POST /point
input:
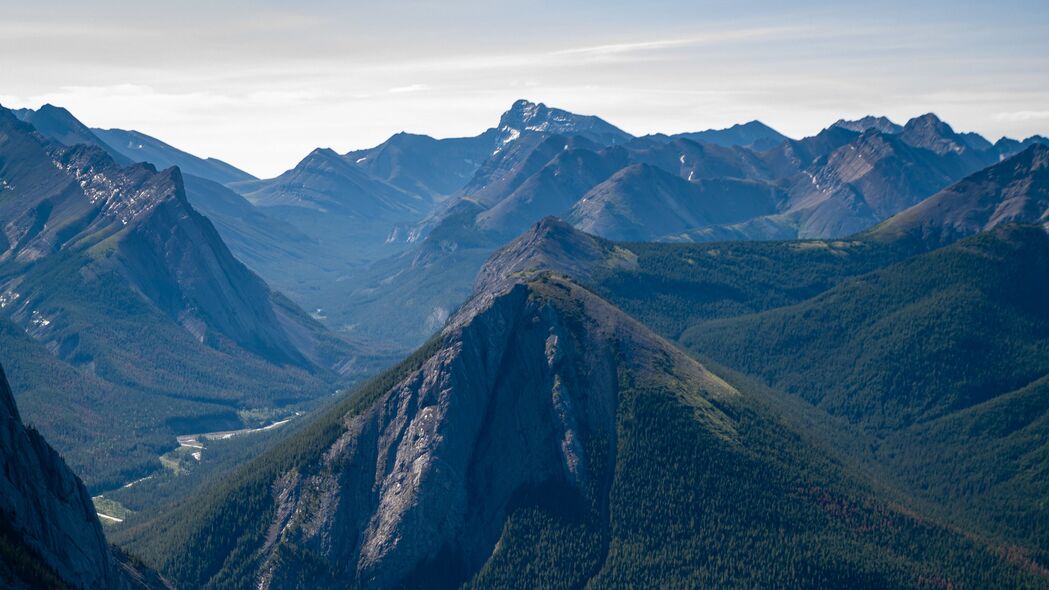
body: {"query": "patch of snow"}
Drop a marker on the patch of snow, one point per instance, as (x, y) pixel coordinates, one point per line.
(359, 160)
(511, 134)
(8, 298)
(39, 320)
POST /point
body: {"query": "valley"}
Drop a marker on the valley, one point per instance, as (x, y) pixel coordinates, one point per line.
(178, 462)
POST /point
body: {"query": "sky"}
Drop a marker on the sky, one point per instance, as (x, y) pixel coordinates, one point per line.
(260, 84)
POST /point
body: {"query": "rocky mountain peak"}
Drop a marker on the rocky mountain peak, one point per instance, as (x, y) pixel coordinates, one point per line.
(929, 132)
(319, 155)
(125, 193)
(55, 111)
(1007, 147)
(525, 116)
(523, 113)
(551, 245)
(514, 403)
(883, 124)
(752, 134)
(59, 125)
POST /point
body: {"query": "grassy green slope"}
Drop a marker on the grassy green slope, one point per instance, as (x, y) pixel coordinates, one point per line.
(677, 285)
(944, 357)
(914, 341)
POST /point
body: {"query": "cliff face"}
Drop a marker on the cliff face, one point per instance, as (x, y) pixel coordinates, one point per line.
(516, 406)
(517, 399)
(47, 511)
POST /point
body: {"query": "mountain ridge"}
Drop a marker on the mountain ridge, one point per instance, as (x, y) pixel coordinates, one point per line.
(1013, 190)
(139, 147)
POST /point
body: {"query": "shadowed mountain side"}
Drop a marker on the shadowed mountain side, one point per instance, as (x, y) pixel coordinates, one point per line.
(1015, 190)
(50, 536)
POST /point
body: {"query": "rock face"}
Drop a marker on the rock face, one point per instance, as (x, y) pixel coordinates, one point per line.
(50, 534)
(148, 230)
(138, 222)
(521, 395)
(882, 124)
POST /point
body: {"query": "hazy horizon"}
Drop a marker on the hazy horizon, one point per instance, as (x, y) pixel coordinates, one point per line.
(261, 88)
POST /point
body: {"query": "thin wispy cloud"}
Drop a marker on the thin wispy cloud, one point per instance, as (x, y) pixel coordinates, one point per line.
(409, 88)
(706, 39)
(1022, 116)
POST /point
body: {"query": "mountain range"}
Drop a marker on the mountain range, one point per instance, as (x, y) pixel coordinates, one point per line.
(716, 359)
(830, 185)
(405, 226)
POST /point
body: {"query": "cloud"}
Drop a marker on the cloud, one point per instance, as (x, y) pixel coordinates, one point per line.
(409, 88)
(712, 38)
(128, 99)
(1019, 116)
(572, 57)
